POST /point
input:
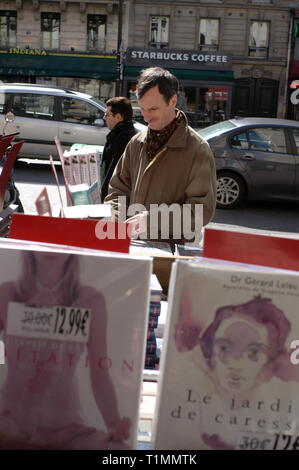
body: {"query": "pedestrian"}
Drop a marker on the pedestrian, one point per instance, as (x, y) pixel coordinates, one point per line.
(118, 117)
(166, 163)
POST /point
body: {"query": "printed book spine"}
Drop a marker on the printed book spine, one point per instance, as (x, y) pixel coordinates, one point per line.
(93, 167)
(150, 362)
(151, 348)
(67, 163)
(95, 194)
(155, 309)
(84, 169)
(76, 169)
(153, 322)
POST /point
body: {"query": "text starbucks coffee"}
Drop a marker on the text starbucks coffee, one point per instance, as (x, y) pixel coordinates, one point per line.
(178, 56)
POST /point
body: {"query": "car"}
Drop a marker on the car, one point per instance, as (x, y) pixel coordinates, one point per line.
(256, 159)
(44, 112)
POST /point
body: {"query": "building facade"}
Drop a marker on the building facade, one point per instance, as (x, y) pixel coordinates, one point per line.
(231, 56)
(65, 43)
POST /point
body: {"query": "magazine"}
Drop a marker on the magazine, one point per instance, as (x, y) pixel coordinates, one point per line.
(74, 331)
(230, 361)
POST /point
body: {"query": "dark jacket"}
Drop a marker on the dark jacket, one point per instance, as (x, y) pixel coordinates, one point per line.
(116, 142)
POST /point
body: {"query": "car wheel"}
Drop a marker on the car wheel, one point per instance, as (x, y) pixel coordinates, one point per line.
(230, 190)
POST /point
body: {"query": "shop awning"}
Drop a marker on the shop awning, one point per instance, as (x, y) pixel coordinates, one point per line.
(189, 74)
(30, 62)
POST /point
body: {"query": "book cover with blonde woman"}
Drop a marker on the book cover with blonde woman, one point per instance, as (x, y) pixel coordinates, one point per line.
(74, 329)
(230, 372)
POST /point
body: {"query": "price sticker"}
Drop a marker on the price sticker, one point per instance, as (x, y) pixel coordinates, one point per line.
(54, 322)
(255, 441)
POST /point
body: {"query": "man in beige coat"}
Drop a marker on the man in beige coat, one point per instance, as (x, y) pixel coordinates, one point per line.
(168, 163)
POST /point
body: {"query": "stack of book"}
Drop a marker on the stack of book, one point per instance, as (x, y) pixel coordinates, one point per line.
(81, 170)
(154, 312)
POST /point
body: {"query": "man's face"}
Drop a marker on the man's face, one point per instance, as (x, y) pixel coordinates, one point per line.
(155, 111)
(112, 119)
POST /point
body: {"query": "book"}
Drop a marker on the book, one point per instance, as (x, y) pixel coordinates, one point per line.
(162, 319)
(88, 211)
(83, 233)
(84, 169)
(82, 194)
(229, 373)
(74, 333)
(252, 246)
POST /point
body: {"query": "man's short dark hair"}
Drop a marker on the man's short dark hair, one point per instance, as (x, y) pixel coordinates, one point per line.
(167, 83)
(121, 105)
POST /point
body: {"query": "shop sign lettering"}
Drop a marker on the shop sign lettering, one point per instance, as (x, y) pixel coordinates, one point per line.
(295, 94)
(178, 56)
(17, 50)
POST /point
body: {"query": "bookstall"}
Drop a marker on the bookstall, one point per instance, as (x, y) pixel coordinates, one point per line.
(120, 344)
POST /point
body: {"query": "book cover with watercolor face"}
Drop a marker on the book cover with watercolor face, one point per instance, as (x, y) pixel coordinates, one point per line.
(74, 330)
(230, 363)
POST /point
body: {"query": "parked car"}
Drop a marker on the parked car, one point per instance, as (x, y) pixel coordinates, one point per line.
(256, 158)
(43, 112)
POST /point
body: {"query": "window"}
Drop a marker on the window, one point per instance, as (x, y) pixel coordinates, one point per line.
(8, 28)
(259, 39)
(33, 105)
(208, 34)
(50, 28)
(159, 32)
(239, 141)
(78, 111)
(96, 32)
(265, 139)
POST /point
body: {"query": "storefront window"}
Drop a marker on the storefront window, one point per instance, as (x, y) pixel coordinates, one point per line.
(50, 30)
(259, 39)
(212, 105)
(159, 32)
(96, 32)
(91, 86)
(8, 28)
(208, 34)
(203, 105)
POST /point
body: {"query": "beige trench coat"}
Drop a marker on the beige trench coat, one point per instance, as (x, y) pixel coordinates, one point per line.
(182, 172)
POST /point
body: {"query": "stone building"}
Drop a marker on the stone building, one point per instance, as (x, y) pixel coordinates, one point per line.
(235, 53)
(232, 57)
(65, 43)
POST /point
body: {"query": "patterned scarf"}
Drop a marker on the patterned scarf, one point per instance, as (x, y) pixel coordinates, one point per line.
(156, 139)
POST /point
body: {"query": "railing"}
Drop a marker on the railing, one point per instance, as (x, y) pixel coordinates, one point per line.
(258, 52)
(158, 45)
(208, 47)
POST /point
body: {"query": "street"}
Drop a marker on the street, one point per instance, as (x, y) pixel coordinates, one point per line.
(31, 177)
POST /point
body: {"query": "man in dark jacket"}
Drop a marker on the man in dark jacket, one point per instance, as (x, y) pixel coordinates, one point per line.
(118, 116)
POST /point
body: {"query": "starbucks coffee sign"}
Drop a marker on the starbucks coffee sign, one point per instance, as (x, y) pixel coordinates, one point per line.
(177, 58)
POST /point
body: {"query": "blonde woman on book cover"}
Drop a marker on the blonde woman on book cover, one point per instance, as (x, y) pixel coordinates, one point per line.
(40, 406)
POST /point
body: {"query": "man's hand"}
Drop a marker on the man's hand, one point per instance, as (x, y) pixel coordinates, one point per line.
(137, 224)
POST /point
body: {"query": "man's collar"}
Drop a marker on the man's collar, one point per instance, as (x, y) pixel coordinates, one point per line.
(177, 139)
